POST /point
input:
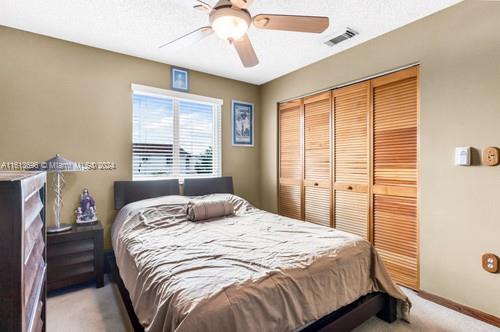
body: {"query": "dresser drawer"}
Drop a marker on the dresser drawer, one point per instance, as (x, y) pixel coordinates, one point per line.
(34, 304)
(34, 273)
(32, 236)
(33, 184)
(32, 208)
(35, 322)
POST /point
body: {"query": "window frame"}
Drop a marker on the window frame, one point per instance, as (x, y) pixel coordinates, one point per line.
(176, 97)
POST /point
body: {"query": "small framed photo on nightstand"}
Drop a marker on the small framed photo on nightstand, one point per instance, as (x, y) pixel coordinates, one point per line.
(180, 79)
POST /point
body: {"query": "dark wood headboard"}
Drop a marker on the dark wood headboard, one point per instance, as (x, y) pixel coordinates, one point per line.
(206, 186)
(133, 191)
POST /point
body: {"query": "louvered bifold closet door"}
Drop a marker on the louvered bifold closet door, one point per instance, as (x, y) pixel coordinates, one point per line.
(351, 107)
(395, 123)
(291, 161)
(317, 184)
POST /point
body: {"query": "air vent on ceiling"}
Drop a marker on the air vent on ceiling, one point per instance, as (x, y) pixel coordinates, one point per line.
(349, 33)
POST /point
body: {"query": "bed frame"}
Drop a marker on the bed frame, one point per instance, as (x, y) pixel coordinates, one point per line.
(344, 319)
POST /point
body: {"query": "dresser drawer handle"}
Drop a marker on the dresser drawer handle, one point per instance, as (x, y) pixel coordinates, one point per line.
(316, 184)
(350, 188)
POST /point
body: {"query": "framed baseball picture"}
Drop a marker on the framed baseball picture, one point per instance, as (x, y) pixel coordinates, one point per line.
(180, 79)
(242, 118)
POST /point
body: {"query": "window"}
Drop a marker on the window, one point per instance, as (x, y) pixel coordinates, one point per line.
(175, 134)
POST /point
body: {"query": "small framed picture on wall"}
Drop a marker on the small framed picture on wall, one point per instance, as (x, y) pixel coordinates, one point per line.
(179, 78)
(242, 119)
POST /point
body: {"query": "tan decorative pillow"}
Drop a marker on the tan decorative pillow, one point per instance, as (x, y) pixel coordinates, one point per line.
(208, 209)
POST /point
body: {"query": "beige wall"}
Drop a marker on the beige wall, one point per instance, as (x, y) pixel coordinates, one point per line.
(61, 97)
(82, 96)
(459, 55)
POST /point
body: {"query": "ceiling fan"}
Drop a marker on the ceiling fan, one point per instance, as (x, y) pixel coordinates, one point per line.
(230, 20)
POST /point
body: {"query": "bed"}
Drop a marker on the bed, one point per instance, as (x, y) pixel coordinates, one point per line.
(252, 271)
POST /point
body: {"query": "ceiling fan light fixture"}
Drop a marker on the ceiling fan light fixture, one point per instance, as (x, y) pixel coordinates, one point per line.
(230, 20)
(230, 24)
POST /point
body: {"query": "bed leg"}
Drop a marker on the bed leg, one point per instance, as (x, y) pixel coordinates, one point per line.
(389, 312)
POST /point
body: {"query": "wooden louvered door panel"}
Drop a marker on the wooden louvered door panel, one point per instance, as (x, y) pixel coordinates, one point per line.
(351, 137)
(317, 185)
(395, 124)
(290, 158)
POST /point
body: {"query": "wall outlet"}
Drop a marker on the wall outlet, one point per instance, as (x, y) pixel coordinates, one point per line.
(491, 156)
(490, 262)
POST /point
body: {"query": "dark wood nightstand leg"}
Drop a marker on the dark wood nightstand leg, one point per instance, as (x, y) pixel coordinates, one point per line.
(99, 260)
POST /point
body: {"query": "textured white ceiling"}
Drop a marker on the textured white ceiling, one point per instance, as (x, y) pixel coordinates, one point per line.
(138, 27)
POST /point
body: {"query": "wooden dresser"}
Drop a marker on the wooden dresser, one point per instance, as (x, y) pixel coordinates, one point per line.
(22, 251)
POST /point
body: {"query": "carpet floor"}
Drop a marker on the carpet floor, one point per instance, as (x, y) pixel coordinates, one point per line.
(87, 309)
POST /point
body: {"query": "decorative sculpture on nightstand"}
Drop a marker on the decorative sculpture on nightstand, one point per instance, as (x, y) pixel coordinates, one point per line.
(86, 212)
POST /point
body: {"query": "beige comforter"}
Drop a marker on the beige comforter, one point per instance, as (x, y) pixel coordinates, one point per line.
(254, 271)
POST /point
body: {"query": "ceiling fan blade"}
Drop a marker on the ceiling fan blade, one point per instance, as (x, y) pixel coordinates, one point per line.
(314, 24)
(246, 52)
(189, 38)
(202, 6)
(242, 3)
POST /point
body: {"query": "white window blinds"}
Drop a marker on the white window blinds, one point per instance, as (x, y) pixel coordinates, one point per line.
(175, 135)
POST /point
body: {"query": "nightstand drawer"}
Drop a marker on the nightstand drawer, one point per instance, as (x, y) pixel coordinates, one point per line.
(62, 267)
(57, 262)
(64, 272)
(69, 247)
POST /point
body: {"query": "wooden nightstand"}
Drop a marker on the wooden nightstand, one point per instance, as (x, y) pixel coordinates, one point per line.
(75, 256)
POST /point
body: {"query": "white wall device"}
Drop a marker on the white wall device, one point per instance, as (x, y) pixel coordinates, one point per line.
(462, 156)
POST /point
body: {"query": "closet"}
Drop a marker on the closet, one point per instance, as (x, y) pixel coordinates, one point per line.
(291, 161)
(351, 139)
(348, 159)
(395, 117)
(317, 153)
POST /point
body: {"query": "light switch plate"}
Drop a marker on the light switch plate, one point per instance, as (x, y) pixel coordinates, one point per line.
(491, 156)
